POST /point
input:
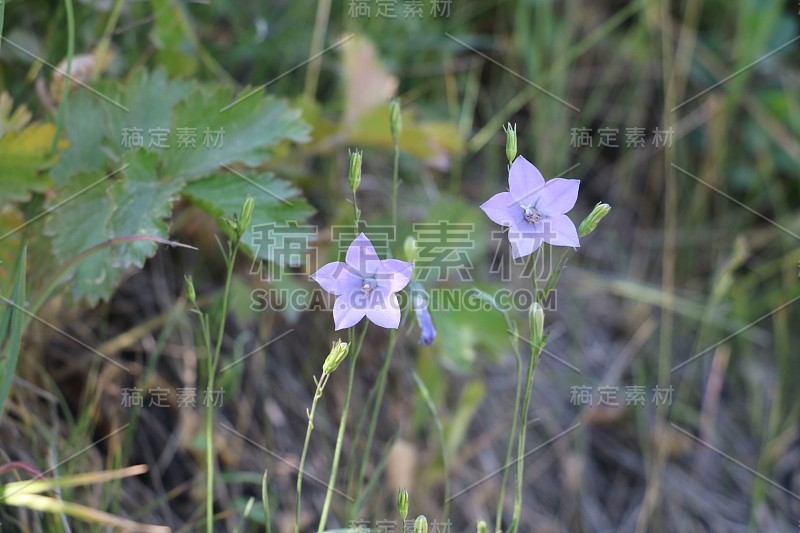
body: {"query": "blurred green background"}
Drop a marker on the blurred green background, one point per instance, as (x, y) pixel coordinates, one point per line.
(698, 262)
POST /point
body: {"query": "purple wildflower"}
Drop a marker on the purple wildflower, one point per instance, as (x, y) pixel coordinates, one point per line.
(364, 285)
(534, 209)
(427, 332)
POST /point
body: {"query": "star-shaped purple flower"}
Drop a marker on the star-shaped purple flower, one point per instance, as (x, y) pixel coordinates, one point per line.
(533, 210)
(365, 285)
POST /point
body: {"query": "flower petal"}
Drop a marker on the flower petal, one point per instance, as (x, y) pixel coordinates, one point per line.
(361, 255)
(498, 208)
(561, 231)
(398, 273)
(524, 241)
(558, 196)
(386, 312)
(336, 278)
(345, 315)
(524, 180)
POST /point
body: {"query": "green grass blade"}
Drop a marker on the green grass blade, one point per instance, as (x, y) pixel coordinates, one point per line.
(14, 320)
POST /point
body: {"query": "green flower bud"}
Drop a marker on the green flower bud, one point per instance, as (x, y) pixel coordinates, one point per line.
(395, 119)
(230, 225)
(421, 524)
(536, 317)
(410, 249)
(482, 527)
(190, 294)
(590, 222)
(354, 178)
(247, 213)
(511, 142)
(402, 503)
(338, 353)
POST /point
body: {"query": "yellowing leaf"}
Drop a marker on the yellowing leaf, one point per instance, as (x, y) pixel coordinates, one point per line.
(432, 142)
(367, 83)
(24, 156)
(12, 120)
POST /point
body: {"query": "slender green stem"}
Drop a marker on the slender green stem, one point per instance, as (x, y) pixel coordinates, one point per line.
(208, 429)
(356, 213)
(535, 274)
(230, 260)
(426, 397)
(265, 504)
(510, 446)
(318, 37)
(62, 106)
(352, 480)
(523, 429)
(395, 181)
(317, 395)
(102, 47)
(555, 275)
(2, 18)
(376, 408)
(536, 349)
(342, 425)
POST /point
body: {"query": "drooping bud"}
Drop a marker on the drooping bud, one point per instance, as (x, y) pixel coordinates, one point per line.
(190, 294)
(410, 249)
(395, 119)
(536, 318)
(482, 527)
(511, 142)
(402, 503)
(590, 223)
(421, 524)
(338, 353)
(427, 332)
(354, 177)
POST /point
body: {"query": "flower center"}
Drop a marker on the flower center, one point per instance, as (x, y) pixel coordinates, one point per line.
(367, 287)
(532, 215)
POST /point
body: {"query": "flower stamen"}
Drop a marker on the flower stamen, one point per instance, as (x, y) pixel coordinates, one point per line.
(532, 214)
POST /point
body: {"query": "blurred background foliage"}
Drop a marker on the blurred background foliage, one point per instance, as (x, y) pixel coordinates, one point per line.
(698, 259)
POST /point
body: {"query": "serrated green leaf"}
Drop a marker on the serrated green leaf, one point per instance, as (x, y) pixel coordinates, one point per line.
(81, 222)
(244, 133)
(85, 129)
(142, 202)
(150, 99)
(276, 202)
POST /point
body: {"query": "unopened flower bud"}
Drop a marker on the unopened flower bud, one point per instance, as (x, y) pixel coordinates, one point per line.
(590, 222)
(395, 119)
(427, 332)
(482, 527)
(410, 249)
(536, 317)
(402, 503)
(354, 178)
(511, 142)
(247, 213)
(421, 524)
(190, 294)
(230, 225)
(338, 354)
